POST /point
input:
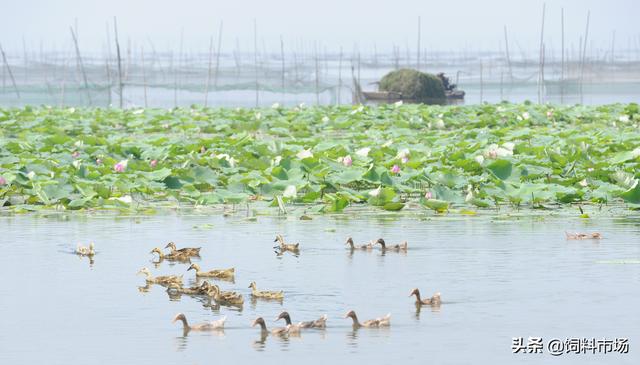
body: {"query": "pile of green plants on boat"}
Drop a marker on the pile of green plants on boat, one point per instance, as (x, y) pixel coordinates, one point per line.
(385, 156)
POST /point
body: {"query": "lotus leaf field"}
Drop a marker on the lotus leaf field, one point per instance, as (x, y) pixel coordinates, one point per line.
(328, 158)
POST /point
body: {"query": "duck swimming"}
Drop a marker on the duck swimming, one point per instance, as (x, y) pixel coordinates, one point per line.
(371, 323)
(434, 300)
(85, 250)
(280, 331)
(291, 247)
(160, 280)
(318, 323)
(189, 251)
(181, 257)
(202, 289)
(398, 247)
(352, 246)
(205, 326)
(583, 236)
(221, 274)
(266, 294)
(226, 297)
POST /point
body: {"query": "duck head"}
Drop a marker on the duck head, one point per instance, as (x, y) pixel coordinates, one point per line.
(156, 250)
(284, 315)
(179, 317)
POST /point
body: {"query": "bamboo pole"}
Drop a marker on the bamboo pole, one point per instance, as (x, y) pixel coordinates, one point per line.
(120, 85)
(206, 88)
(255, 58)
(282, 60)
(562, 57)
(215, 80)
(26, 60)
(64, 81)
(481, 84)
(13, 80)
(177, 82)
(506, 43)
(339, 75)
(108, 83)
(80, 65)
(4, 78)
(144, 77)
(584, 55)
(418, 55)
(317, 81)
(541, 63)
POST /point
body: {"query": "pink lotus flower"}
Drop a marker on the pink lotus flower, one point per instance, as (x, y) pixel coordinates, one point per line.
(75, 154)
(98, 161)
(3, 181)
(549, 113)
(395, 169)
(120, 166)
(405, 159)
(347, 161)
(153, 163)
(428, 195)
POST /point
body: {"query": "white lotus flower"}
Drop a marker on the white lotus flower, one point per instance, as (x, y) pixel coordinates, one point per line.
(479, 159)
(275, 106)
(363, 152)
(509, 145)
(31, 175)
(375, 192)
(493, 151)
(125, 199)
(276, 161)
(258, 115)
(439, 124)
(77, 163)
(624, 118)
(583, 183)
(290, 192)
(398, 103)
(526, 115)
(403, 153)
(325, 119)
(304, 154)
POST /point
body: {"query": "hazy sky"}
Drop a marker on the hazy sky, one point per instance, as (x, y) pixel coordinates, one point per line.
(446, 25)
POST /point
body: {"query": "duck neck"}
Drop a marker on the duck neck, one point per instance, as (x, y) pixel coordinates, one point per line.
(287, 319)
(263, 326)
(185, 324)
(356, 323)
(418, 299)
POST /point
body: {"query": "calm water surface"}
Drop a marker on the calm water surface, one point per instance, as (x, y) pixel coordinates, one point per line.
(499, 279)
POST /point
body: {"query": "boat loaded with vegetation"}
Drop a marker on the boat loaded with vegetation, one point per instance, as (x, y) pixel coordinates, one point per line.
(411, 86)
(328, 158)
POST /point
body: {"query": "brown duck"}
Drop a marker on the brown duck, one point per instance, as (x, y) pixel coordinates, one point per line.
(434, 300)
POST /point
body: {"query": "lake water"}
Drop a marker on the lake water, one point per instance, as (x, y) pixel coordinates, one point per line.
(500, 278)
